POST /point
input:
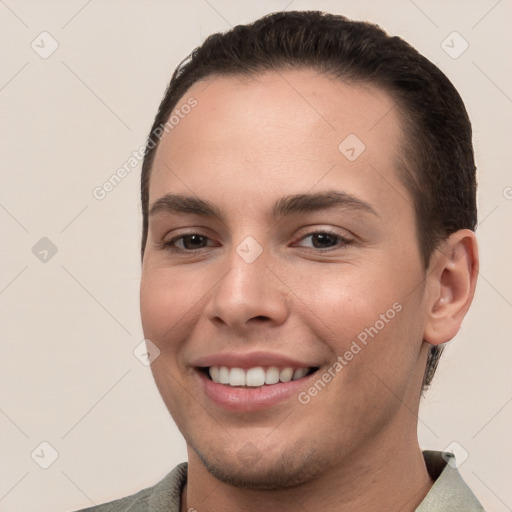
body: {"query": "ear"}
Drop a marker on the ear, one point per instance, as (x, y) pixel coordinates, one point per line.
(451, 282)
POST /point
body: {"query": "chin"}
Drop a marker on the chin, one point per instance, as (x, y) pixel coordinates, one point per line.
(250, 469)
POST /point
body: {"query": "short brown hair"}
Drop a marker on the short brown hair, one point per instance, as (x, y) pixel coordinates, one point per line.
(436, 163)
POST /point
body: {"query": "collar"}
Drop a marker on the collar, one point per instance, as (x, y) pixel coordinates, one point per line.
(449, 493)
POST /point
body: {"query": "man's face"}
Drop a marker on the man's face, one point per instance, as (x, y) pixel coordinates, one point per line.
(300, 290)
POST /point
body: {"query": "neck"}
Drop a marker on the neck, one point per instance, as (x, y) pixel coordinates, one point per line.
(387, 477)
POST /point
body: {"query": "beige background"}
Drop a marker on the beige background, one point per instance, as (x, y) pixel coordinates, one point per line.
(69, 325)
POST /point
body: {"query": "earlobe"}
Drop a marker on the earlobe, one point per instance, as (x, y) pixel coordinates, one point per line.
(451, 285)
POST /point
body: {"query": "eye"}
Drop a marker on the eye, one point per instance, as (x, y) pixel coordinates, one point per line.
(191, 242)
(327, 240)
(195, 242)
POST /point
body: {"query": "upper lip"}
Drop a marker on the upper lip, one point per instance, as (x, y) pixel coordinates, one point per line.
(250, 360)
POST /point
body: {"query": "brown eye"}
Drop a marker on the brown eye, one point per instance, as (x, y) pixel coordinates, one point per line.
(186, 243)
(326, 240)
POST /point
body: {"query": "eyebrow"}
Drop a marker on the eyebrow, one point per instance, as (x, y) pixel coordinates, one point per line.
(288, 205)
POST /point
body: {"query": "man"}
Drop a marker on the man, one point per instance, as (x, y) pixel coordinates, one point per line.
(308, 195)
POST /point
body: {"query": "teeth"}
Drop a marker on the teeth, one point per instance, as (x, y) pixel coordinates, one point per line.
(223, 375)
(286, 375)
(215, 373)
(299, 373)
(236, 377)
(272, 375)
(255, 377)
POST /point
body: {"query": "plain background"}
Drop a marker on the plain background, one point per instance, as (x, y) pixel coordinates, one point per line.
(70, 324)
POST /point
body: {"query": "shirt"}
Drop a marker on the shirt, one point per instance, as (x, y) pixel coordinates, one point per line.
(448, 494)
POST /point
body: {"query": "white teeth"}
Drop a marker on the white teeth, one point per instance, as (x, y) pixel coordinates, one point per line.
(286, 375)
(215, 373)
(223, 375)
(272, 375)
(299, 373)
(236, 377)
(255, 377)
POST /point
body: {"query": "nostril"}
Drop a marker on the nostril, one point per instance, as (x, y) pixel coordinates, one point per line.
(261, 318)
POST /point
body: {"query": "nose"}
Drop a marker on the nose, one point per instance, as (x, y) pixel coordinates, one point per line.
(250, 294)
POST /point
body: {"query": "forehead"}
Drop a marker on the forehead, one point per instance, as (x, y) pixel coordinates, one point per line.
(286, 127)
(319, 102)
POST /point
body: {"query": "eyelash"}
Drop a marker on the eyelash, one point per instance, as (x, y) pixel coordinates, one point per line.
(169, 245)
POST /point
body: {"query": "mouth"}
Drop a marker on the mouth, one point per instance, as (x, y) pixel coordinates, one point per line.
(245, 390)
(256, 377)
(256, 380)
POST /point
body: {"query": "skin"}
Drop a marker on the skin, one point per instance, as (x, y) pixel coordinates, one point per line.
(248, 143)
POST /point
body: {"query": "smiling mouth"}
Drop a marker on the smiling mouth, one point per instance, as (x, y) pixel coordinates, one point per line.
(256, 377)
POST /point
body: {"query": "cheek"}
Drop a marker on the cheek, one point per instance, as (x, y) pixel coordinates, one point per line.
(372, 313)
(152, 307)
(163, 308)
(390, 339)
(164, 300)
(345, 300)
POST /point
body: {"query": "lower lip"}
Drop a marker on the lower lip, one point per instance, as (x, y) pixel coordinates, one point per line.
(250, 399)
